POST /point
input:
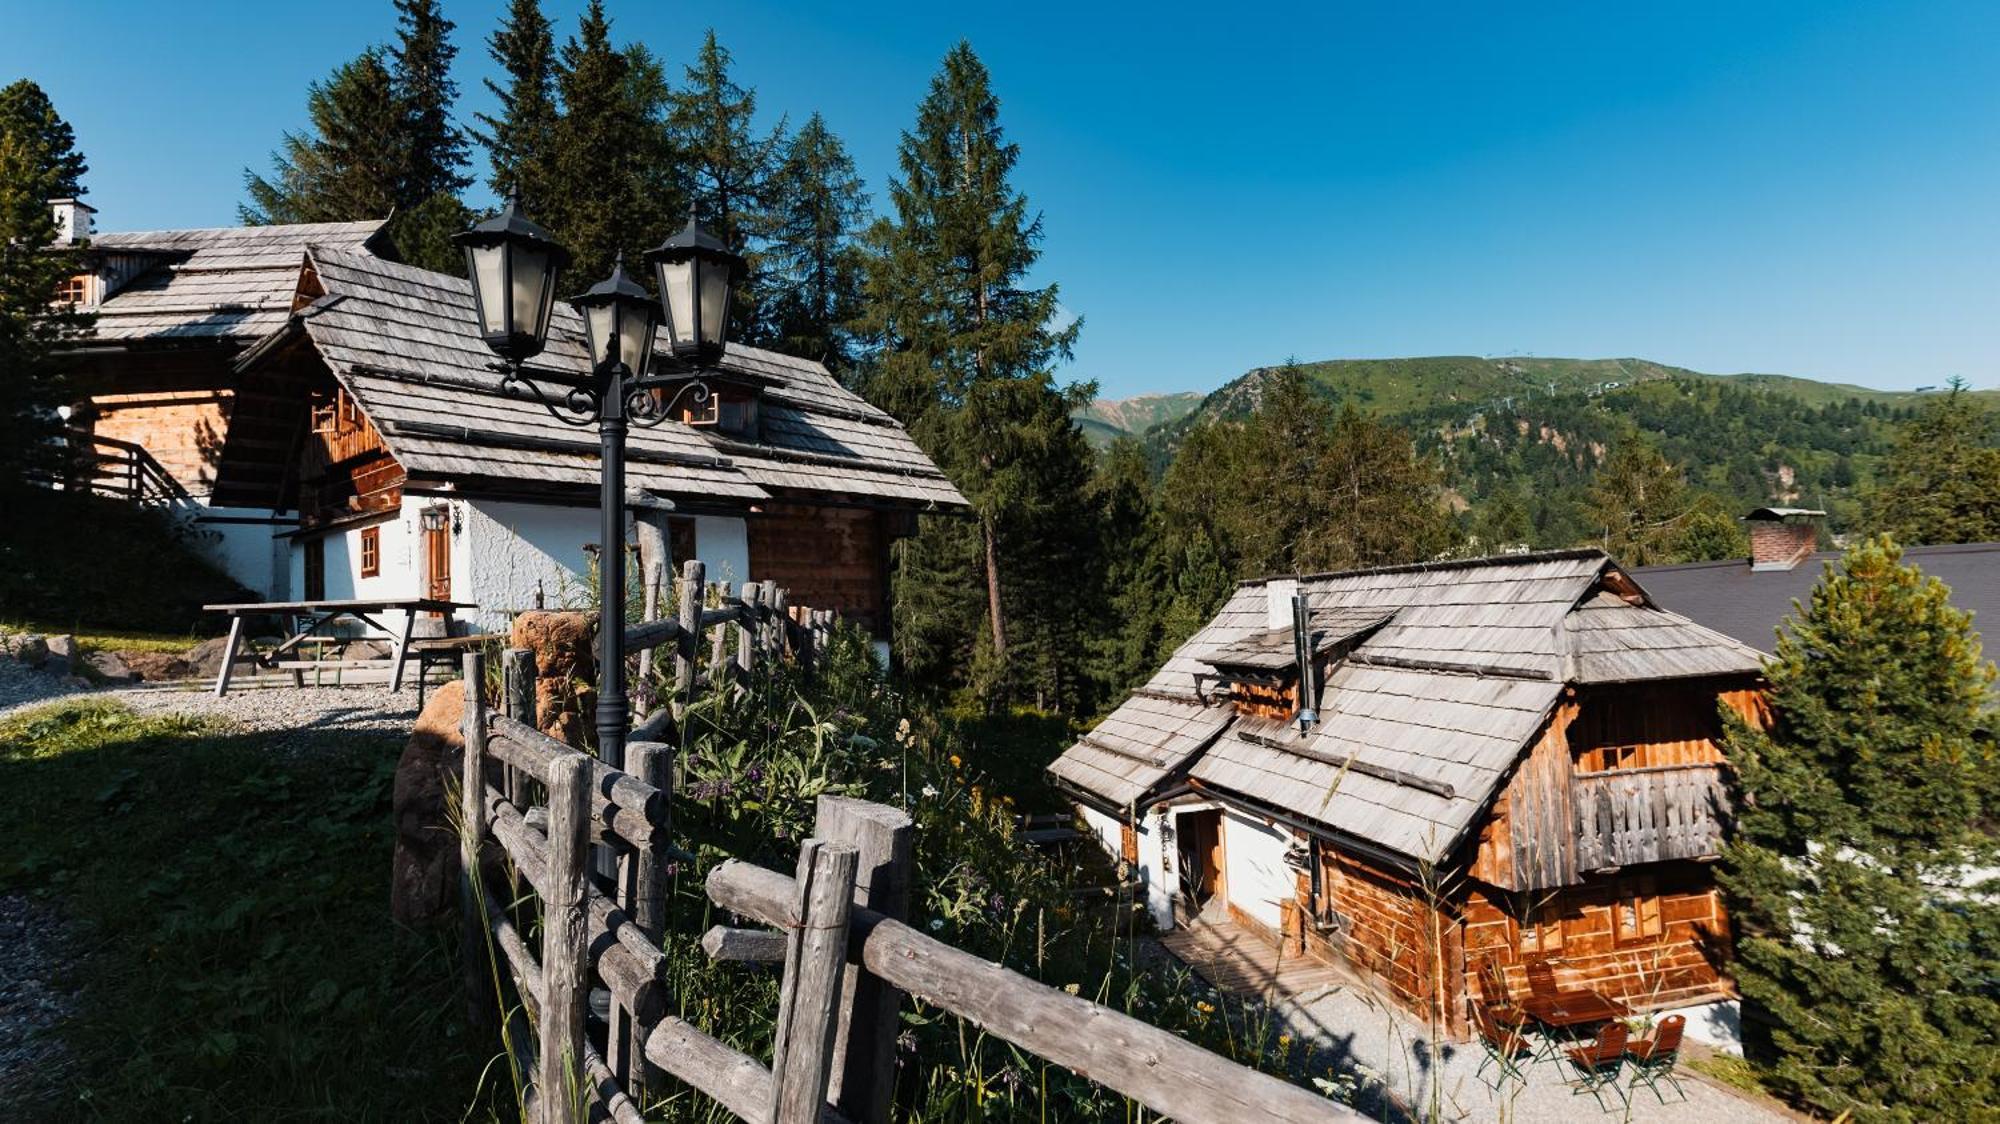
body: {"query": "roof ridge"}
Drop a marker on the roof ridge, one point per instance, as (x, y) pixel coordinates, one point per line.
(1495, 560)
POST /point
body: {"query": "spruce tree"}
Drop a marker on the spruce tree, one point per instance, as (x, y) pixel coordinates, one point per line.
(434, 149)
(965, 348)
(610, 188)
(1125, 644)
(1942, 483)
(349, 165)
(520, 142)
(1862, 808)
(1641, 502)
(811, 267)
(38, 162)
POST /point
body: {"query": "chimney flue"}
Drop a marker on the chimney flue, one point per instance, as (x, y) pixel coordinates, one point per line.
(73, 222)
(1782, 537)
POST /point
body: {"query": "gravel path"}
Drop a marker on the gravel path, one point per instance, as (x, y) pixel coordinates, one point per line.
(286, 712)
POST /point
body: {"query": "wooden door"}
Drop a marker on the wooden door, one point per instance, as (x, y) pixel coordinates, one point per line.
(437, 562)
(315, 567)
(1198, 837)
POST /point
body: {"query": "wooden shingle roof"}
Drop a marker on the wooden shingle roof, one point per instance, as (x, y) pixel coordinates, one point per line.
(227, 283)
(403, 342)
(1424, 717)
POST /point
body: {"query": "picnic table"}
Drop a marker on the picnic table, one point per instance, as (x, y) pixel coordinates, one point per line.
(1566, 1009)
(320, 614)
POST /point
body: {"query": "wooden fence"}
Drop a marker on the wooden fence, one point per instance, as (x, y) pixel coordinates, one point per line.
(764, 624)
(1634, 816)
(532, 811)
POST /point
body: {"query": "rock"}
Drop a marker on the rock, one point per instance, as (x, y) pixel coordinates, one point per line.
(63, 647)
(110, 668)
(366, 650)
(565, 665)
(205, 658)
(423, 884)
(155, 666)
(26, 648)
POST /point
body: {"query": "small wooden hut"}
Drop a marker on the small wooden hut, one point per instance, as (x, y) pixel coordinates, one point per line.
(1514, 758)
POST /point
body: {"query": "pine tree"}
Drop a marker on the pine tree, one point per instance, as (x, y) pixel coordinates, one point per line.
(38, 162)
(520, 142)
(726, 169)
(1641, 502)
(434, 149)
(811, 267)
(609, 186)
(1125, 645)
(1942, 483)
(1863, 805)
(965, 349)
(349, 166)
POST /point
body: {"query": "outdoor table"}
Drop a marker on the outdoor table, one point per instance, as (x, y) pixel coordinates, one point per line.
(1565, 1011)
(323, 613)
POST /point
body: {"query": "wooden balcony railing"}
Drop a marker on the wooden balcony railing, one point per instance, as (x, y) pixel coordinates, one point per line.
(1632, 816)
(106, 466)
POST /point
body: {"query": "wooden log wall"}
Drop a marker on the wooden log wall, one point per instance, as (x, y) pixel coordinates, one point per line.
(183, 429)
(1392, 928)
(833, 557)
(345, 467)
(1651, 940)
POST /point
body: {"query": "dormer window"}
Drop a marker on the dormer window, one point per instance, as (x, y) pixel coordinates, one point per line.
(732, 408)
(74, 290)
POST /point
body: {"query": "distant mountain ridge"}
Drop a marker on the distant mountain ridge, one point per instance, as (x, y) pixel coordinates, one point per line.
(1397, 387)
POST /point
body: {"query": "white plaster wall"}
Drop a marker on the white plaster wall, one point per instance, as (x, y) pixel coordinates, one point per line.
(242, 550)
(1720, 1024)
(1254, 872)
(508, 551)
(724, 544)
(1152, 871)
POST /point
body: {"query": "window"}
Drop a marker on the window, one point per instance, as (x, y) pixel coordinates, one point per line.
(371, 552)
(325, 411)
(1635, 916)
(315, 563)
(73, 290)
(1541, 930)
(350, 411)
(702, 413)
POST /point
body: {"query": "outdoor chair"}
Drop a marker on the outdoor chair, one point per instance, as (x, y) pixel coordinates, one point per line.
(1654, 1058)
(1542, 977)
(1495, 996)
(1504, 1045)
(1598, 1063)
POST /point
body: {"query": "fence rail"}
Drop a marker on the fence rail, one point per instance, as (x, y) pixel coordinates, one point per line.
(533, 808)
(107, 466)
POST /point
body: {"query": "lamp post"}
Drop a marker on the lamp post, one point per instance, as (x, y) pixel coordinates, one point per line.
(514, 266)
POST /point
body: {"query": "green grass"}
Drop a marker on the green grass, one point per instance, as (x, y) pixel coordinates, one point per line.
(1733, 1072)
(113, 640)
(230, 916)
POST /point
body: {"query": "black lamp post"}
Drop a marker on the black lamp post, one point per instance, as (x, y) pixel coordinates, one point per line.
(514, 265)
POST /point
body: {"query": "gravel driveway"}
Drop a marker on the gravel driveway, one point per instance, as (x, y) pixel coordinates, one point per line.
(285, 711)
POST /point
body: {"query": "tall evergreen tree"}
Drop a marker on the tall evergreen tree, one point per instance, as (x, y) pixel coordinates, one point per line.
(38, 162)
(1864, 805)
(1942, 483)
(349, 165)
(434, 148)
(965, 350)
(811, 268)
(726, 169)
(1125, 643)
(610, 187)
(1641, 502)
(520, 141)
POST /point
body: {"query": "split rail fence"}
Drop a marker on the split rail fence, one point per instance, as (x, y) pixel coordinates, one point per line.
(836, 925)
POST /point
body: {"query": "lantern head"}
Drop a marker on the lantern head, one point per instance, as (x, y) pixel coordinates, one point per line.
(696, 273)
(513, 264)
(618, 320)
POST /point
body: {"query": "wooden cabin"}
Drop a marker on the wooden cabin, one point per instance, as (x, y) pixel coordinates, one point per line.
(155, 379)
(1514, 758)
(373, 415)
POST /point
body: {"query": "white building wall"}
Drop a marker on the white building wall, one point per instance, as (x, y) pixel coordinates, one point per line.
(238, 540)
(1254, 872)
(1153, 869)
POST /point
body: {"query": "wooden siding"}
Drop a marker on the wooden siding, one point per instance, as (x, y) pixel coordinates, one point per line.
(830, 557)
(1392, 929)
(344, 467)
(183, 430)
(1262, 700)
(1633, 816)
(1598, 935)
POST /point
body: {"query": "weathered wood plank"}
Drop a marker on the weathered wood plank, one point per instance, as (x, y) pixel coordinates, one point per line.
(743, 946)
(481, 1002)
(565, 938)
(864, 1050)
(809, 998)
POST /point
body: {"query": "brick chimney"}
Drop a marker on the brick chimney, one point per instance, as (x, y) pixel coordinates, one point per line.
(73, 222)
(1782, 537)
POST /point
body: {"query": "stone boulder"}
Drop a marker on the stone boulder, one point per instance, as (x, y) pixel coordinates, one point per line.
(205, 658)
(26, 648)
(63, 648)
(423, 884)
(156, 666)
(110, 668)
(563, 644)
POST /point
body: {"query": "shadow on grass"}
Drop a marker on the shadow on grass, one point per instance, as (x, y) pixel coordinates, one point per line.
(231, 950)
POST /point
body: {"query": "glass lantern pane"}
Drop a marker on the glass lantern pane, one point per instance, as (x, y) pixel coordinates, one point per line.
(714, 304)
(598, 325)
(487, 265)
(637, 345)
(676, 293)
(531, 287)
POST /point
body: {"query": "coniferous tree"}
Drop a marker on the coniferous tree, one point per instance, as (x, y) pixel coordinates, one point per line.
(726, 170)
(610, 187)
(348, 166)
(520, 141)
(1942, 481)
(1864, 806)
(811, 267)
(964, 349)
(1641, 502)
(434, 156)
(1125, 645)
(38, 162)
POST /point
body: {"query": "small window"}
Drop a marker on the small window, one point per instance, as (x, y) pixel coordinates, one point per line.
(325, 412)
(705, 412)
(1541, 929)
(350, 411)
(1636, 913)
(73, 290)
(371, 552)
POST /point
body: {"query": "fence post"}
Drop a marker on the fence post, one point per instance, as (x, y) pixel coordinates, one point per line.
(517, 701)
(746, 630)
(481, 1001)
(688, 646)
(780, 624)
(808, 997)
(718, 644)
(864, 1046)
(565, 944)
(643, 889)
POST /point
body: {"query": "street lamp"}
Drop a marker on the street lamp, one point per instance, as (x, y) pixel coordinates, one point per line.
(514, 265)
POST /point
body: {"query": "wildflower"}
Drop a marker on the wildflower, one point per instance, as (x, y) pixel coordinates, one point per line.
(1205, 1008)
(937, 924)
(955, 762)
(907, 1042)
(1072, 988)
(930, 790)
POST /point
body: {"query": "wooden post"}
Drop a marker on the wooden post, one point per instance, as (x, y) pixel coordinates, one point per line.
(746, 629)
(688, 644)
(565, 940)
(481, 1001)
(808, 998)
(718, 644)
(517, 701)
(643, 897)
(229, 654)
(864, 1046)
(402, 650)
(780, 624)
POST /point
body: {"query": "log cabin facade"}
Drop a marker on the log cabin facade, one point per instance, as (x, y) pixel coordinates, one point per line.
(1515, 759)
(373, 413)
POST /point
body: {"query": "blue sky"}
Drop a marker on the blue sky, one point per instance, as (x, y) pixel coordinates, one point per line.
(1805, 188)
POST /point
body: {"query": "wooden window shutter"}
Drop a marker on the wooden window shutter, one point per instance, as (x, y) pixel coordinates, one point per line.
(1128, 844)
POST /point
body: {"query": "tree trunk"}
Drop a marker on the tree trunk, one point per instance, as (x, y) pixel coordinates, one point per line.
(993, 589)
